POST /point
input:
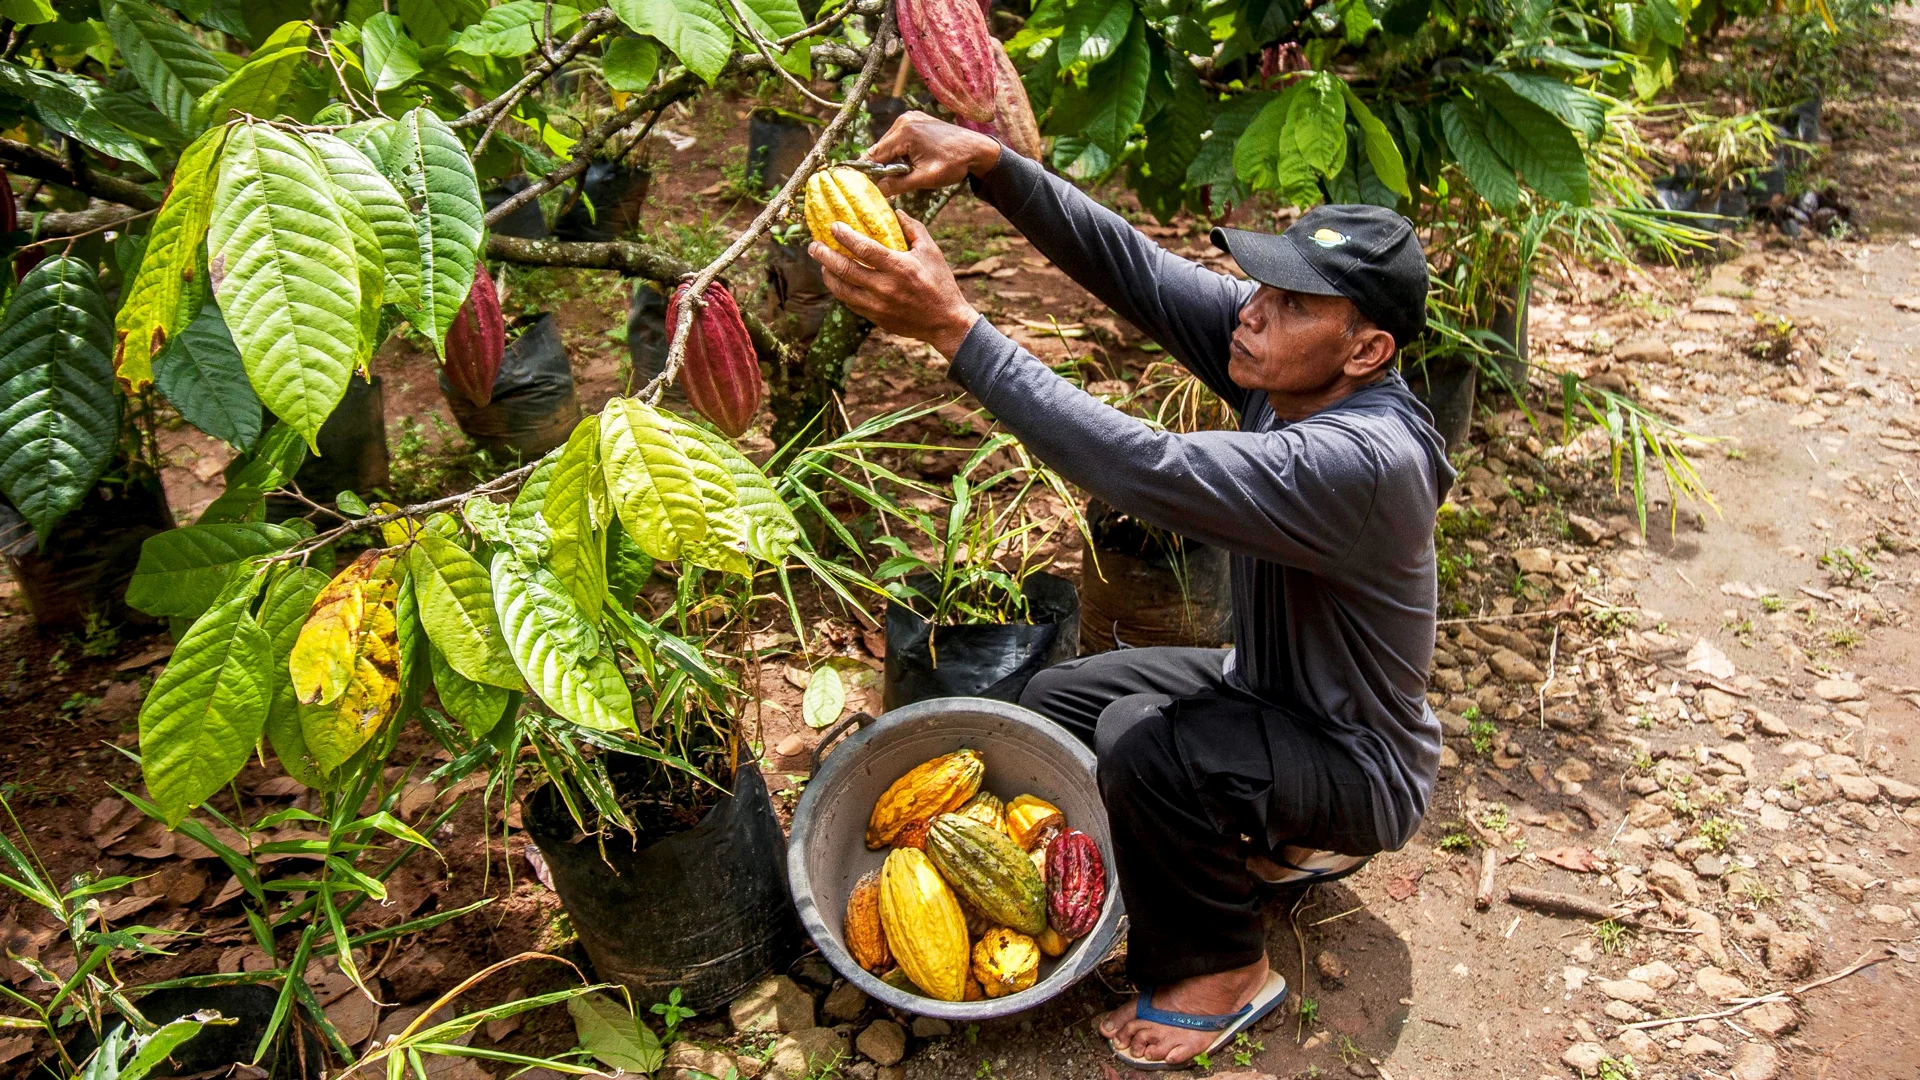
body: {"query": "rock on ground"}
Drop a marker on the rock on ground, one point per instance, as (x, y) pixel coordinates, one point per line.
(777, 1004)
(884, 1041)
(1584, 1057)
(1756, 1061)
(806, 1052)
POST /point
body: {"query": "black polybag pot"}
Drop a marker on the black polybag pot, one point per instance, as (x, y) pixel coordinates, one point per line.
(989, 660)
(218, 1047)
(647, 338)
(353, 452)
(618, 194)
(706, 911)
(776, 145)
(1446, 384)
(527, 222)
(1151, 588)
(84, 567)
(534, 406)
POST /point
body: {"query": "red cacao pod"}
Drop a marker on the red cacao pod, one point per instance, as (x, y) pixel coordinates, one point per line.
(720, 373)
(476, 341)
(1076, 883)
(951, 48)
(1012, 111)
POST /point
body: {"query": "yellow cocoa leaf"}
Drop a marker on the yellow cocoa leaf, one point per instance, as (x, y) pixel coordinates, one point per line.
(335, 732)
(323, 655)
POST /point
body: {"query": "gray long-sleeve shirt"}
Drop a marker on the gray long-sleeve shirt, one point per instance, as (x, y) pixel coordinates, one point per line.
(1329, 519)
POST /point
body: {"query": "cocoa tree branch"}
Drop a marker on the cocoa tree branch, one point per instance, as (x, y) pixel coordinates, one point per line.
(766, 50)
(773, 211)
(505, 482)
(867, 7)
(552, 61)
(41, 164)
(628, 257)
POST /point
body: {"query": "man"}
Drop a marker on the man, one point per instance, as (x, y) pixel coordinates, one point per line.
(1309, 745)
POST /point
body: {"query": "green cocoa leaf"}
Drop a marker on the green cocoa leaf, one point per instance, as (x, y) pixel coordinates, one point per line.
(1538, 145)
(770, 530)
(630, 63)
(432, 22)
(514, 28)
(1382, 152)
(532, 497)
(283, 610)
(206, 711)
(694, 30)
(372, 265)
(1492, 177)
(457, 611)
(576, 510)
(392, 58)
(352, 171)
(286, 275)
(825, 699)
(563, 658)
(181, 571)
(59, 415)
(430, 167)
(650, 480)
(170, 64)
(175, 257)
(476, 705)
(1317, 123)
(258, 86)
(200, 372)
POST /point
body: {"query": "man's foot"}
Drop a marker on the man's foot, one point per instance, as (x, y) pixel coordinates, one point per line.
(1220, 992)
(1301, 866)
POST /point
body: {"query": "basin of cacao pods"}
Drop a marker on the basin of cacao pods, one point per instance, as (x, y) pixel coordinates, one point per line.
(1025, 754)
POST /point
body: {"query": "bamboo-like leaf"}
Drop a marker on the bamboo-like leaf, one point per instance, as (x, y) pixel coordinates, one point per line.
(181, 571)
(576, 510)
(286, 275)
(175, 257)
(562, 656)
(170, 65)
(259, 84)
(200, 372)
(476, 705)
(650, 480)
(59, 416)
(204, 714)
(352, 171)
(431, 168)
(282, 613)
(457, 611)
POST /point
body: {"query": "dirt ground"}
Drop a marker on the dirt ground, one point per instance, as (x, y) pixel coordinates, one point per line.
(1707, 730)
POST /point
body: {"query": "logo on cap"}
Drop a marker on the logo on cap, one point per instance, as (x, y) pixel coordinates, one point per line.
(1328, 238)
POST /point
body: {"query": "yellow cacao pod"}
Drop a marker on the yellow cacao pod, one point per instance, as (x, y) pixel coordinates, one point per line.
(1006, 962)
(866, 940)
(843, 194)
(1029, 818)
(927, 790)
(1050, 942)
(923, 924)
(986, 808)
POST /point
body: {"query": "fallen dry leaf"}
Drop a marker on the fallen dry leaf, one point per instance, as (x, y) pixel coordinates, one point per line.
(1577, 859)
(1402, 887)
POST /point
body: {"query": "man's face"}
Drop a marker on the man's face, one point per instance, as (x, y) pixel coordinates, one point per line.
(1295, 343)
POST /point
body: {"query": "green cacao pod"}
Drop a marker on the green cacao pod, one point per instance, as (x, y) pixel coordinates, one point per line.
(928, 789)
(720, 373)
(952, 49)
(1076, 883)
(477, 341)
(985, 866)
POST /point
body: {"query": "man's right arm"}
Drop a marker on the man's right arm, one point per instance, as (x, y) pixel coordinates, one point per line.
(1187, 308)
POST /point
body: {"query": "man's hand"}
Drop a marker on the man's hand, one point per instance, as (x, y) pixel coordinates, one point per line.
(941, 154)
(911, 293)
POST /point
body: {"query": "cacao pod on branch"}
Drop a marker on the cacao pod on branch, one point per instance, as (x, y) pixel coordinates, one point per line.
(477, 341)
(1013, 112)
(952, 49)
(843, 194)
(720, 373)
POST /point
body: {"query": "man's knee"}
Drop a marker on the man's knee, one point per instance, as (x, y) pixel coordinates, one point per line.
(1134, 743)
(1045, 691)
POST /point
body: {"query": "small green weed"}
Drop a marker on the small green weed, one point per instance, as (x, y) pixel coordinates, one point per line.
(1610, 936)
(1717, 832)
(1456, 840)
(1622, 1069)
(671, 1014)
(1482, 733)
(1771, 603)
(1244, 1049)
(1846, 566)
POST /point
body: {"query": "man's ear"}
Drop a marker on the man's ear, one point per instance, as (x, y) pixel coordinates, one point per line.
(1372, 352)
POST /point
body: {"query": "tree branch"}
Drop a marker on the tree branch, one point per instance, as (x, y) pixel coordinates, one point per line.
(627, 257)
(590, 28)
(775, 209)
(43, 165)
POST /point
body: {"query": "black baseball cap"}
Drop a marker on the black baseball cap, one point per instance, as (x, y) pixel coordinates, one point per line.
(1368, 254)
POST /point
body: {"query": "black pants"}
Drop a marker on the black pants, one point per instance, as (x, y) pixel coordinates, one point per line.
(1196, 776)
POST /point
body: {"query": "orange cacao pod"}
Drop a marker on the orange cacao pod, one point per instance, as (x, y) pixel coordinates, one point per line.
(953, 51)
(1076, 883)
(477, 341)
(1012, 111)
(720, 373)
(866, 939)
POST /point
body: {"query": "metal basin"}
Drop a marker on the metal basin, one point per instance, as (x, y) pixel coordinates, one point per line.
(1025, 754)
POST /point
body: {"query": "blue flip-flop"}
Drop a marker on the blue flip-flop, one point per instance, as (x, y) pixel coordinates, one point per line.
(1227, 1024)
